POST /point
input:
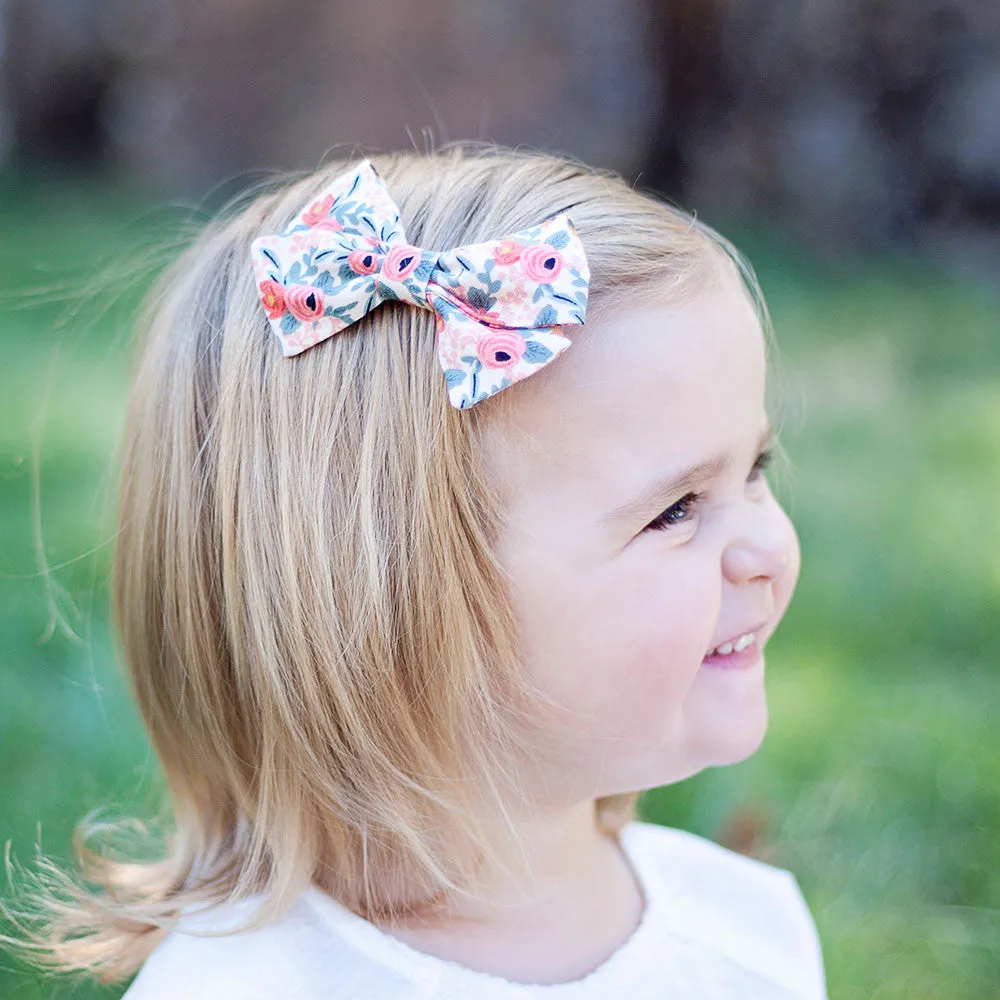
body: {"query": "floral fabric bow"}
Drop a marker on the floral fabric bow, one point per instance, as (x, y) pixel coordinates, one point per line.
(500, 305)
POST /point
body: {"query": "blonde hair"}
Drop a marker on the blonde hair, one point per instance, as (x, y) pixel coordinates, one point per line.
(315, 627)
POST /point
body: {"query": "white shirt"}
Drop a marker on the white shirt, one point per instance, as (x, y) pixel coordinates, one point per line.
(716, 926)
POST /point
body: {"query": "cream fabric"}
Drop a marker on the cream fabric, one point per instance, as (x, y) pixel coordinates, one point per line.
(716, 925)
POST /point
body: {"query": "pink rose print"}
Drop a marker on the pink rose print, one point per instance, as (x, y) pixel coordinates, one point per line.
(318, 213)
(318, 210)
(305, 302)
(363, 261)
(401, 262)
(542, 262)
(508, 252)
(272, 295)
(500, 349)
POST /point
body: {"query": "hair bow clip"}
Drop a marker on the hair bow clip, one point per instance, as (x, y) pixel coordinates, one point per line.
(500, 305)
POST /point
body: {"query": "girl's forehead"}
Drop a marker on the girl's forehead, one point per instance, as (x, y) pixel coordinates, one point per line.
(659, 378)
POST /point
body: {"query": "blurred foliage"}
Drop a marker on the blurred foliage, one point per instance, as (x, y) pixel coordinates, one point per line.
(877, 781)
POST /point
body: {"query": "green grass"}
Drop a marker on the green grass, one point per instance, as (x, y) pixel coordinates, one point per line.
(877, 781)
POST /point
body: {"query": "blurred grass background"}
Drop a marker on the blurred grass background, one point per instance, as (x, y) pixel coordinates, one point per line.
(877, 782)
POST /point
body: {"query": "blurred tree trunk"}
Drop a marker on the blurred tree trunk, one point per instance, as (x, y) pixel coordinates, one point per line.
(692, 76)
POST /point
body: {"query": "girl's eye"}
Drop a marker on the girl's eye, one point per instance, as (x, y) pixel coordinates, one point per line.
(677, 513)
(687, 506)
(764, 459)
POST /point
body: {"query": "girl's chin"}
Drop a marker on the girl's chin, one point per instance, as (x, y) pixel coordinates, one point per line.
(737, 743)
(735, 751)
(727, 730)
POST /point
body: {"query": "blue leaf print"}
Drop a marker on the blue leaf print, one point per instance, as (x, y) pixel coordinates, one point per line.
(289, 323)
(324, 281)
(477, 297)
(454, 376)
(547, 317)
(465, 264)
(536, 352)
(294, 273)
(344, 312)
(559, 240)
(448, 309)
(424, 268)
(270, 256)
(474, 362)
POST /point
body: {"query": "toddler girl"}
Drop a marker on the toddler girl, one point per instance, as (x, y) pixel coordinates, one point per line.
(444, 531)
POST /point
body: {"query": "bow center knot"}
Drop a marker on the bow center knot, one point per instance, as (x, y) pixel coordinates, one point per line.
(397, 270)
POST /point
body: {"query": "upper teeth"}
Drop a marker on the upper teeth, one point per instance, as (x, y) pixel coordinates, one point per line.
(734, 647)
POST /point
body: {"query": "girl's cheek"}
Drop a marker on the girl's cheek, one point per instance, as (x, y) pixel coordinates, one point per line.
(664, 629)
(680, 607)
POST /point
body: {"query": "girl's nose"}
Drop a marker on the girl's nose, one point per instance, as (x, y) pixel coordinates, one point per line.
(764, 553)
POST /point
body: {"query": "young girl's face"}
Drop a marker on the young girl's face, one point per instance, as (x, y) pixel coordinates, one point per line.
(621, 589)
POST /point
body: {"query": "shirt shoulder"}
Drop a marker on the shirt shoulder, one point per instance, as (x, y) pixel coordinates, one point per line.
(208, 956)
(751, 911)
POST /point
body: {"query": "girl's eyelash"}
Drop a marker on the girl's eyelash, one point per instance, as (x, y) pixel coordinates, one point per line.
(662, 521)
(764, 459)
(693, 500)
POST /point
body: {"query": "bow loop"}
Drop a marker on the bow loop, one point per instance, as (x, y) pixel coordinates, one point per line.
(500, 304)
(537, 277)
(357, 203)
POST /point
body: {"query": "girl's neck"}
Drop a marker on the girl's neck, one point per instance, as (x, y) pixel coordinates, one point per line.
(582, 904)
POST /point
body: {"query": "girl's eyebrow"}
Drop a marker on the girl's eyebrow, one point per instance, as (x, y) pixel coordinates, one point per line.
(683, 482)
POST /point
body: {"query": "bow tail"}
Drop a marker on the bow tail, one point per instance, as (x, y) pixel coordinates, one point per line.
(479, 360)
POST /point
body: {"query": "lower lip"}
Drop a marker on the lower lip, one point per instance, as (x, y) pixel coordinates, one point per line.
(734, 661)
